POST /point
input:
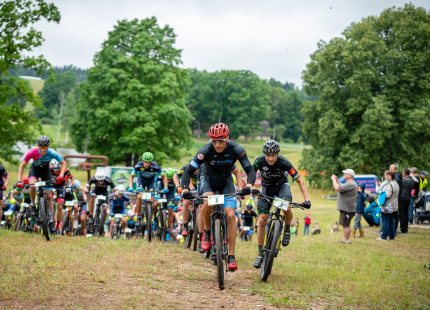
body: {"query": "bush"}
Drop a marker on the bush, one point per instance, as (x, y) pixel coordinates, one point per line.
(46, 121)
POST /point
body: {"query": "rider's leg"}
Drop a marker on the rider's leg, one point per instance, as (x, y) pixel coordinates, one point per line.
(262, 222)
(60, 203)
(31, 181)
(105, 207)
(138, 204)
(112, 224)
(170, 218)
(185, 208)
(206, 212)
(83, 222)
(231, 227)
(123, 223)
(288, 217)
(200, 220)
(91, 205)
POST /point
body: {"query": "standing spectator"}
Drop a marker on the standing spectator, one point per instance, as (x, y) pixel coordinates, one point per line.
(359, 210)
(293, 228)
(4, 180)
(423, 181)
(399, 179)
(372, 214)
(346, 201)
(297, 226)
(415, 192)
(391, 189)
(405, 199)
(307, 224)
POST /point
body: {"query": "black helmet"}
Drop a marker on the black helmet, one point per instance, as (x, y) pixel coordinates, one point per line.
(249, 206)
(271, 147)
(43, 141)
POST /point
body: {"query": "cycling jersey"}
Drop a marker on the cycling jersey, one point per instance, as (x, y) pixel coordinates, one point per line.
(3, 176)
(100, 187)
(118, 204)
(149, 173)
(181, 172)
(247, 218)
(218, 166)
(18, 197)
(67, 176)
(274, 174)
(39, 160)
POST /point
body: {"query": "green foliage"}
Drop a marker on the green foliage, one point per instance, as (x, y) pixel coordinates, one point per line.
(134, 98)
(238, 98)
(16, 38)
(81, 74)
(373, 87)
(50, 93)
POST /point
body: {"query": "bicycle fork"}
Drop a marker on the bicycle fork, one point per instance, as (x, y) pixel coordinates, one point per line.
(223, 219)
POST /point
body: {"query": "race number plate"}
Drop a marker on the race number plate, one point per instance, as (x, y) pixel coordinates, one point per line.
(24, 205)
(8, 213)
(69, 203)
(246, 228)
(89, 235)
(118, 215)
(281, 204)
(128, 230)
(215, 200)
(37, 184)
(162, 200)
(146, 196)
(101, 197)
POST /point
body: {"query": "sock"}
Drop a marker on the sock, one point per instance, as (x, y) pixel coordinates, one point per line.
(32, 202)
(286, 229)
(260, 250)
(185, 225)
(231, 256)
(58, 225)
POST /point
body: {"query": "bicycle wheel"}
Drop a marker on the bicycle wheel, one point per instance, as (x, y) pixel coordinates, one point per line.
(102, 225)
(18, 222)
(196, 231)
(219, 258)
(66, 231)
(269, 255)
(44, 219)
(149, 212)
(162, 226)
(96, 223)
(189, 237)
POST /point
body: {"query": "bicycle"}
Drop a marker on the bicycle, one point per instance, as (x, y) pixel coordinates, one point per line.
(273, 236)
(161, 227)
(193, 229)
(42, 207)
(146, 221)
(97, 226)
(117, 227)
(246, 234)
(68, 219)
(22, 221)
(10, 220)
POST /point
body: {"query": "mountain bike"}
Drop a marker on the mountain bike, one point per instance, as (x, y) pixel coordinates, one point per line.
(193, 213)
(273, 236)
(161, 226)
(246, 233)
(9, 222)
(117, 227)
(43, 207)
(22, 220)
(98, 226)
(147, 213)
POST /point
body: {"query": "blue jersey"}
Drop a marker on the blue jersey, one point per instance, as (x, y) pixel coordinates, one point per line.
(149, 173)
(39, 160)
(119, 202)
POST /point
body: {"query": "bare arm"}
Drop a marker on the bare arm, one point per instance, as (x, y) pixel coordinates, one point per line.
(63, 167)
(165, 181)
(130, 180)
(335, 183)
(303, 188)
(21, 170)
(6, 181)
(238, 176)
(176, 181)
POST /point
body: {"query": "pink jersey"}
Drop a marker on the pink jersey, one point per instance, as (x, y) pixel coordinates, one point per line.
(39, 160)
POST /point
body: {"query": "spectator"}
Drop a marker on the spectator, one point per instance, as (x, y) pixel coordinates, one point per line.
(316, 230)
(399, 179)
(334, 228)
(408, 185)
(307, 220)
(423, 181)
(4, 180)
(359, 210)
(293, 228)
(297, 226)
(346, 202)
(414, 193)
(372, 214)
(391, 193)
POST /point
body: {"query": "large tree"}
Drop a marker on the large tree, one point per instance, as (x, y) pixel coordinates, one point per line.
(373, 85)
(134, 98)
(17, 38)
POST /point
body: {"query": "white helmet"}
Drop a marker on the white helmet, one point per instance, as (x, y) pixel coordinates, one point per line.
(121, 189)
(100, 175)
(55, 164)
(76, 184)
(130, 213)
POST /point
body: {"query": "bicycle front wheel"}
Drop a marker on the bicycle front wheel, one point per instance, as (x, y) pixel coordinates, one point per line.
(196, 230)
(219, 258)
(44, 218)
(162, 225)
(189, 237)
(269, 255)
(149, 212)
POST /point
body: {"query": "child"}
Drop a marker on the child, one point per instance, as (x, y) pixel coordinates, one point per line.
(372, 214)
(316, 230)
(292, 228)
(334, 228)
(359, 210)
(307, 220)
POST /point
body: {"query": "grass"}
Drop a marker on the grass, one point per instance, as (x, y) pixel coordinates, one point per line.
(36, 85)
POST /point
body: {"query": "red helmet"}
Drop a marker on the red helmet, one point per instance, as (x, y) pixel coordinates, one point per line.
(25, 179)
(218, 131)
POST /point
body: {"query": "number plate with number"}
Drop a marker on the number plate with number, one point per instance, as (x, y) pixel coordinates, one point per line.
(24, 205)
(246, 228)
(69, 203)
(281, 204)
(128, 230)
(101, 197)
(8, 213)
(162, 200)
(118, 216)
(146, 196)
(37, 184)
(215, 200)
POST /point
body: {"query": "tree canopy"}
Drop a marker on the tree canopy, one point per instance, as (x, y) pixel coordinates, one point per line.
(373, 88)
(133, 101)
(17, 37)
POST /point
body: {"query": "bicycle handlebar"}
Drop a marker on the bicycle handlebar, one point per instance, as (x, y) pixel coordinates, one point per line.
(293, 204)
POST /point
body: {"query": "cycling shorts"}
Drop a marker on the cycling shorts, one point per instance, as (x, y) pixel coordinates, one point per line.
(116, 211)
(224, 186)
(42, 172)
(282, 191)
(169, 196)
(146, 184)
(99, 191)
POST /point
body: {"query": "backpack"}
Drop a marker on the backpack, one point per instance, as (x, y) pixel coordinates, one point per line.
(308, 220)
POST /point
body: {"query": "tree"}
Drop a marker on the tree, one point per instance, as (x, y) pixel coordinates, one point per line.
(373, 88)
(134, 98)
(50, 93)
(17, 37)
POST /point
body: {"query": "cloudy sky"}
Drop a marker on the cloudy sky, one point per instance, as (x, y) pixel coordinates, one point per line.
(270, 38)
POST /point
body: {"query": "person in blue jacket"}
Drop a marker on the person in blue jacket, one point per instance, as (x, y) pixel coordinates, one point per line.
(359, 210)
(372, 214)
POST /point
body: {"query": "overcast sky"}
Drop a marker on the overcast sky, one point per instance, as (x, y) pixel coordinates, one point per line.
(270, 38)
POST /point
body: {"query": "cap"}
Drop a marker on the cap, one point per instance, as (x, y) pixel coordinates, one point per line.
(423, 172)
(349, 171)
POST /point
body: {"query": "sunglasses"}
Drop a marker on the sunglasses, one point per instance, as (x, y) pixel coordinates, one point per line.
(43, 147)
(214, 141)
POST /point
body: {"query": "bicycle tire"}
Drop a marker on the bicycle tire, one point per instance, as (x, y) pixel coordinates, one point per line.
(18, 222)
(102, 225)
(162, 226)
(189, 236)
(196, 230)
(65, 229)
(269, 255)
(44, 217)
(149, 212)
(219, 258)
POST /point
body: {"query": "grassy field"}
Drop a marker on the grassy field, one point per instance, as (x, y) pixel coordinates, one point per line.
(312, 272)
(36, 85)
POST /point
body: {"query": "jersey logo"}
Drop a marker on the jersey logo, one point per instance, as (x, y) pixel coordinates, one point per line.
(265, 168)
(292, 171)
(242, 154)
(213, 162)
(226, 155)
(201, 156)
(141, 169)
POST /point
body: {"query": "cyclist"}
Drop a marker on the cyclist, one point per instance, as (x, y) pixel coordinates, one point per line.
(41, 156)
(101, 183)
(81, 201)
(215, 161)
(12, 201)
(118, 206)
(26, 189)
(61, 191)
(248, 219)
(147, 171)
(4, 180)
(274, 183)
